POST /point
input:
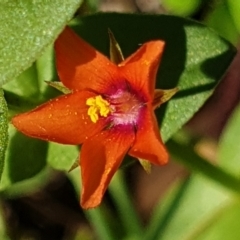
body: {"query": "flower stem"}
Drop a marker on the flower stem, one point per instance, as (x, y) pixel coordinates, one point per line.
(97, 219)
(95, 216)
(125, 208)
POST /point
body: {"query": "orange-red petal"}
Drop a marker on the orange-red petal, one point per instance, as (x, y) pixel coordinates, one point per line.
(100, 158)
(148, 144)
(63, 120)
(80, 66)
(140, 68)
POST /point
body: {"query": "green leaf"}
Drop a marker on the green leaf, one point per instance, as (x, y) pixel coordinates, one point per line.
(62, 157)
(26, 85)
(30, 88)
(194, 60)
(25, 166)
(228, 154)
(22, 94)
(26, 28)
(3, 130)
(25, 157)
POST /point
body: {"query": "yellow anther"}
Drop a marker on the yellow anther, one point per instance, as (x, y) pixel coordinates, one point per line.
(97, 106)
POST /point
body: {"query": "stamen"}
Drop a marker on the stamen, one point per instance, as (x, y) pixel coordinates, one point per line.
(97, 106)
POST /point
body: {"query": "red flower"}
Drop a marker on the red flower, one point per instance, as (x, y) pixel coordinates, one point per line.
(110, 111)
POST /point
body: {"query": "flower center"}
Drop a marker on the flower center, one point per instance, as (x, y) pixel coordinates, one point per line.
(97, 106)
(126, 106)
(123, 107)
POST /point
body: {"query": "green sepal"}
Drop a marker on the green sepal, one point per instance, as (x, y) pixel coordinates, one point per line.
(75, 165)
(146, 165)
(161, 96)
(116, 55)
(59, 86)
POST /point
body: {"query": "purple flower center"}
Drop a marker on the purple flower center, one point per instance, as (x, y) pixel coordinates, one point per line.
(126, 105)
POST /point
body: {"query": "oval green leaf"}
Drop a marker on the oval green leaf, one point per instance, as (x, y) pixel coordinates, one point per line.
(26, 28)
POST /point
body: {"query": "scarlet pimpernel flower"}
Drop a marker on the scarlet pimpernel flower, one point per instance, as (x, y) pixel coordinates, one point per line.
(110, 110)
